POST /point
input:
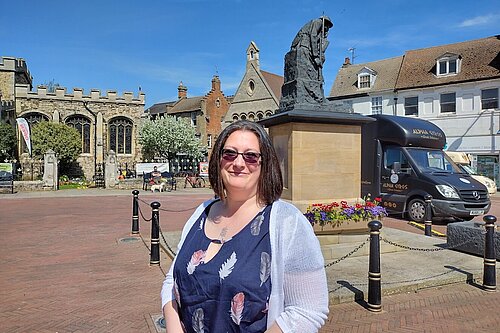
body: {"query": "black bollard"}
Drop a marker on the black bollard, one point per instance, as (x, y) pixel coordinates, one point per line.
(489, 272)
(374, 276)
(155, 234)
(428, 215)
(135, 212)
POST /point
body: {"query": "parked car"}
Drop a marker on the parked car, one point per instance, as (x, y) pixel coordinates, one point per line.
(463, 161)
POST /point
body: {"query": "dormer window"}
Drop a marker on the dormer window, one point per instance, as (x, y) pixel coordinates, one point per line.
(366, 78)
(448, 64)
(364, 81)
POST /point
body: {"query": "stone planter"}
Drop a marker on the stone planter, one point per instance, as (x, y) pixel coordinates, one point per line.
(348, 227)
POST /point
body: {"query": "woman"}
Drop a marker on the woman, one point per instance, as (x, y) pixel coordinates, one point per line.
(247, 262)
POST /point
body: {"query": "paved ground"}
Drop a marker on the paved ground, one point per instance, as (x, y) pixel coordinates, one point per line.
(67, 265)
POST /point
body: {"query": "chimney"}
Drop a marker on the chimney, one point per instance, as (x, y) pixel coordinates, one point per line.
(215, 83)
(347, 62)
(181, 91)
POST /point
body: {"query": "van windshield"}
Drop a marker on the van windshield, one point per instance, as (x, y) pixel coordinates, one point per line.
(431, 160)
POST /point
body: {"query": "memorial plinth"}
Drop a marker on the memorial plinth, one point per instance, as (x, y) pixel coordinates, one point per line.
(319, 153)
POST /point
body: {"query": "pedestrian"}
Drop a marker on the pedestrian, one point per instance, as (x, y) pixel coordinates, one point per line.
(247, 261)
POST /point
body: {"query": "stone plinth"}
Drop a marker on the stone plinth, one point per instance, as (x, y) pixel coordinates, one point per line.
(50, 170)
(473, 232)
(319, 153)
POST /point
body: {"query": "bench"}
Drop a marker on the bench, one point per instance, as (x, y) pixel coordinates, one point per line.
(7, 181)
(171, 181)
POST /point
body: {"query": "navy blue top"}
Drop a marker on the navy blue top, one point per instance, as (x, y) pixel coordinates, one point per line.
(229, 293)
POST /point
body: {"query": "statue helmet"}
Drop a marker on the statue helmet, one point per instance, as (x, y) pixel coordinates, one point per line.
(326, 19)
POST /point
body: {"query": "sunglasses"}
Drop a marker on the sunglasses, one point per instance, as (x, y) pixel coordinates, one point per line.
(249, 157)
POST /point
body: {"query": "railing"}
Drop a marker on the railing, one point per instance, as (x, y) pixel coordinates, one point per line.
(374, 302)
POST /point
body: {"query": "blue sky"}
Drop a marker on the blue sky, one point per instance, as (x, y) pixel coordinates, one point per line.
(121, 45)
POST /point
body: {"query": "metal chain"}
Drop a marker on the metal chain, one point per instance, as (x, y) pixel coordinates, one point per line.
(422, 249)
(165, 241)
(356, 249)
(169, 210)
(142, 215)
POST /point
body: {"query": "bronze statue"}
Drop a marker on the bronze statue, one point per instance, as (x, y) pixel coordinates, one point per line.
(303, 85)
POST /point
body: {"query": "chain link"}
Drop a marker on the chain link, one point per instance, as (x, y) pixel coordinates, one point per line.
(427, 249)
(356, 249)
(165, 241)
(142, 215)
(169, 210)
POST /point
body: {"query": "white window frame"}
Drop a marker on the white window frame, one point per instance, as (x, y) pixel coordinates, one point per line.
(363, 83)
(408, 106)
(489, 100)
(376, 105)
(193, 118)
(445, 61)
(209, 140)
(441, 103)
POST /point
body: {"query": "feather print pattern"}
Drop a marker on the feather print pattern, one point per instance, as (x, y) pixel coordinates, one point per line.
(198, 325)
(227, 266)
(196, 259)
(265, 267)
(237, 307)
(176, 293)
(255, 226)
(202, 223)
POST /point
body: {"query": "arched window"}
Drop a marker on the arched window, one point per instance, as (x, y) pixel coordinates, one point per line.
(35, 117)
(243, 117)
(120, 135)
(260, 115)
(82, 125)
(235, 117)
(32, 118)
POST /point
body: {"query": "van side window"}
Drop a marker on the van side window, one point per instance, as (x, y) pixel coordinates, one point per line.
(392, 155)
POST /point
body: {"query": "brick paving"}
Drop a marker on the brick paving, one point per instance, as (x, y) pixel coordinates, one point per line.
(63, 269)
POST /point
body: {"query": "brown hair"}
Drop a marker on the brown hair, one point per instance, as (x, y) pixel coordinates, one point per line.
(270, 184)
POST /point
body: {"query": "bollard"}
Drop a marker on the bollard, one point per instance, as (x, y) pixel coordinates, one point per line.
(155, 234)
(135, 212)
(489, 272)
(428, 215)
(374, 276)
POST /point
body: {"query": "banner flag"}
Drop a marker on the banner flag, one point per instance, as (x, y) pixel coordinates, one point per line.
(24, 128)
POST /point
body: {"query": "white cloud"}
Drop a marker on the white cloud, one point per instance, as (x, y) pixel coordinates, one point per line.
(479, 20)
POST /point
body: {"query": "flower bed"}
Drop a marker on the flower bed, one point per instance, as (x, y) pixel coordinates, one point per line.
(341, 217)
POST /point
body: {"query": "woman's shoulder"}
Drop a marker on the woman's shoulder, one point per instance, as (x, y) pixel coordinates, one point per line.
(285, 207)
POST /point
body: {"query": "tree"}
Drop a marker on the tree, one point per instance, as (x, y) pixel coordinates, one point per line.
(64, 140)
(7, 141)
(51, 86)
(166, 137)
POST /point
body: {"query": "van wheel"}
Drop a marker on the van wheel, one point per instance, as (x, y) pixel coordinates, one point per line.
(416, 210)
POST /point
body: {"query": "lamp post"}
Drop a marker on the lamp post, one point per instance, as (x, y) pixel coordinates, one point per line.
(85, 104)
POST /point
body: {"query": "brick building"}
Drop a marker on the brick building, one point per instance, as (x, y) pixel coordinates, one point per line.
(204, 112)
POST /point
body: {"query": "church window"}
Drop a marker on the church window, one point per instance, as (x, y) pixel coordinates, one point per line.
(82, 125)
(120, 135)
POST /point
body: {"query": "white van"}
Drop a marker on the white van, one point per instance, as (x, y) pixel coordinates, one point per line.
(462, 159)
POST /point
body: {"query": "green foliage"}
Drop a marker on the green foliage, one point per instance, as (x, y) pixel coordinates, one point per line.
(7, 141)
(166, 137)
(64, 140)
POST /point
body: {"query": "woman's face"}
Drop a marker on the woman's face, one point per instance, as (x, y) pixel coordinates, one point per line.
(241, 177)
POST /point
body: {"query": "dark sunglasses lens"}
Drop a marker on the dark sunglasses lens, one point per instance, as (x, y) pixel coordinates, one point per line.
(229, 155)
(251, 157)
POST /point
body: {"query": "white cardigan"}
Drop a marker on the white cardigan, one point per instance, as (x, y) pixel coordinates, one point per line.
(299, 291)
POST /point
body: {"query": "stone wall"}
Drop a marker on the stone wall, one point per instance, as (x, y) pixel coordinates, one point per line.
(60, 105)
